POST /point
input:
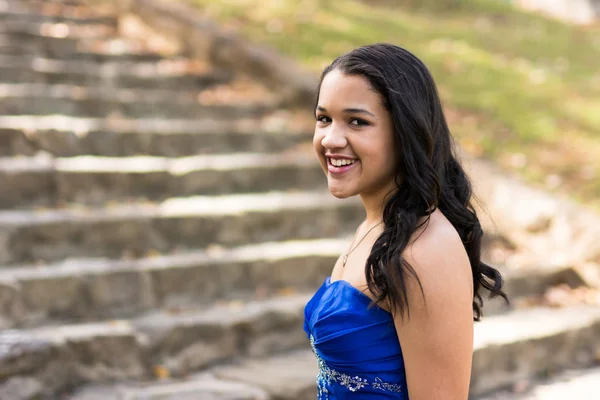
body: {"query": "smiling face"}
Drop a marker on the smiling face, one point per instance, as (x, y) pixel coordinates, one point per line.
(354, 137)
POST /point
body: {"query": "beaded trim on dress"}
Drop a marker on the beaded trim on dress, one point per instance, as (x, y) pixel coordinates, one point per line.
(328, 375)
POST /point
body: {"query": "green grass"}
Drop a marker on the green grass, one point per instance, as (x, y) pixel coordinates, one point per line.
(516, 85)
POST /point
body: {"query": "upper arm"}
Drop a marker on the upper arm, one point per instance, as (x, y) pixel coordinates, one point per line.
(437, 338)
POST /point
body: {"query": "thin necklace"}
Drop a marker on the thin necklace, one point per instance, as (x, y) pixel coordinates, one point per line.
(345, 258)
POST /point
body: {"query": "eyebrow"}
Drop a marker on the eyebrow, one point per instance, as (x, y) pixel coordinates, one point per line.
(350, 111)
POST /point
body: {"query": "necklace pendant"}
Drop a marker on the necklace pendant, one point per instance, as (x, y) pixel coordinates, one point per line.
(344, 259)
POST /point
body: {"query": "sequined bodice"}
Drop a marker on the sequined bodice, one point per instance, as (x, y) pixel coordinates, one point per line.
(356, 347)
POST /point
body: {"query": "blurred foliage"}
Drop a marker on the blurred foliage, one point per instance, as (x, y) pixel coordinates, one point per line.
(520, 89)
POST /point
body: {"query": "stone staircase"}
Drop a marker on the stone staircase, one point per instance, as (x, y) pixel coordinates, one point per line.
(164, 222)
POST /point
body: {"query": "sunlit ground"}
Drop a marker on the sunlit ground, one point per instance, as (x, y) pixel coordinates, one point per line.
(519, 89)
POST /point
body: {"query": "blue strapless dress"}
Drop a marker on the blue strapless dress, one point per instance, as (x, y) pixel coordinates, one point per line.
(357, 347)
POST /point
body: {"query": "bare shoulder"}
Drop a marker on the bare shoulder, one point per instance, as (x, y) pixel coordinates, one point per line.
(437, 338)
(439, 258)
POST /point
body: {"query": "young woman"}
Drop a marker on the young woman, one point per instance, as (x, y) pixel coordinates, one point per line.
(395, 319)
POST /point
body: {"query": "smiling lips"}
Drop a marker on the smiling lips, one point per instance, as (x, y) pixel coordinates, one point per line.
(340, 164)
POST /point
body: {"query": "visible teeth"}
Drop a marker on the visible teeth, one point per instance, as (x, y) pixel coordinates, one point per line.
(342, 162)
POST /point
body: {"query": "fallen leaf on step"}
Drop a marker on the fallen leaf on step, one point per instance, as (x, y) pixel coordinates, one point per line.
(235, 305)
(152, 253)
(287, 291)
(174, 310)
(161, 372)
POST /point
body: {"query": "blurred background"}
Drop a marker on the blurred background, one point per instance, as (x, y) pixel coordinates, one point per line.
(163, 219)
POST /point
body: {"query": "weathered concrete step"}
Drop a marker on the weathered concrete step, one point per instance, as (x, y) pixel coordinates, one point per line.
(71, 3)
(92, 289)
(79, 3)
(580, 384)
(508, 349)
(118, 55)
(74, 9)
(287, 376)
(167, 74)
(89, 289)
(72, 100)
(528, 286)
(23, 30)
(160, 137)
(529, 342)
(71, 136)
(22, 14)
(54, 358)
(66, 355)
(196, 388)
(28, 44)
(76, 49)
(187, 341)
(177, 223)
(48, 181)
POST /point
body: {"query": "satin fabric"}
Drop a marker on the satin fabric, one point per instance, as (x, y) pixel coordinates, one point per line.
(356, 346)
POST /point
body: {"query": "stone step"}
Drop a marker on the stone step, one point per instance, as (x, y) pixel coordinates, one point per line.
(287, 376)
(76, 49)
(173, 74)
(179, 342)
(197, 388)
(47, 181)
(72, 100)
(23, 30)
(31, 44)
(98, 56)
(53, 40)
(508, 349)
(71, 3)
(71, 136)
(75, 9)
(89, 289)
(530, 286)
(15, 13)
(580, 384)
(530, 342)
(177, 223)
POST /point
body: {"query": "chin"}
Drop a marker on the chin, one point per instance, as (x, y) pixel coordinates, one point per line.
(341, 193)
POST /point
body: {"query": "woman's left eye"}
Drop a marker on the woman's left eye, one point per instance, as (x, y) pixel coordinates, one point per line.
(358, 122)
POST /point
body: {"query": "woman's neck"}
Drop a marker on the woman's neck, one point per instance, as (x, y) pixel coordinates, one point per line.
(374, 204)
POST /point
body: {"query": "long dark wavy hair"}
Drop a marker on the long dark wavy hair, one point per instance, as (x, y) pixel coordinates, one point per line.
(429, 175)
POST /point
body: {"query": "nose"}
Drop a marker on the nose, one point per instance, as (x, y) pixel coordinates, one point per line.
(334, 138)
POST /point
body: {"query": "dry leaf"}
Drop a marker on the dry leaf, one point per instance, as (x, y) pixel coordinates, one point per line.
(236, 305)
(161, 372)
(174, 310)
(287, 291)
(152, 253)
